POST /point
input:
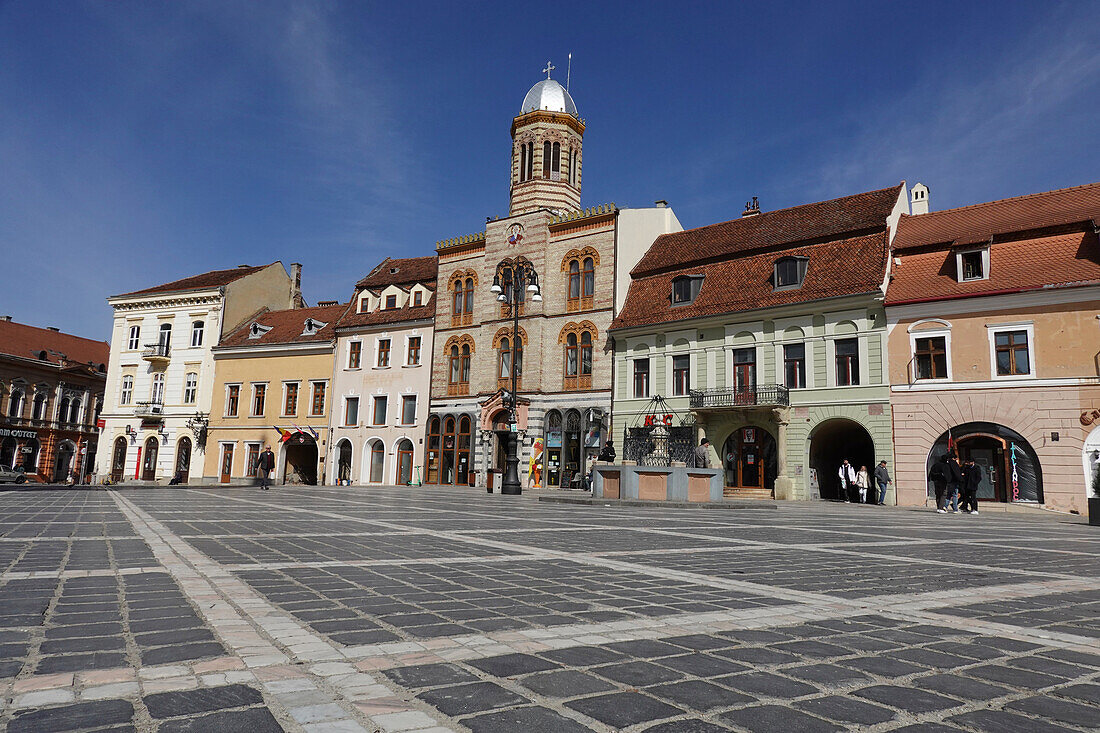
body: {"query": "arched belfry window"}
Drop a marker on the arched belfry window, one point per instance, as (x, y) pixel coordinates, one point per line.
(555, 163)
(522, 162)
(530, 161)
(547, 151)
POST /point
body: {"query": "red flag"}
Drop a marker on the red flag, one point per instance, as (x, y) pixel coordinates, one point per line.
(950, 443)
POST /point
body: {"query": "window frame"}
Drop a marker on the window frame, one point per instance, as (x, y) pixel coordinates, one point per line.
(391, 301)
(418, 298)
(156, 389)
(959, 264)
(635, 373)
(313, 395)
(1028, 328)
(412, 349)
(801, 381)
(348, 421)
(197, 330)
(258, 397)
(376, 400)
(190, 388)
(852, 374)
(801, 265)
(918, 336)
(406, 400)
(296, 385)
(355, 354)
(681, 375)
(382, 353)
(251, 469)
(133, 342)
(126, 391)
(232, 399)
(694, 284)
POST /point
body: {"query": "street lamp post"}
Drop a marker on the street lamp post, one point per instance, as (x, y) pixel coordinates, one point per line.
(514, 276)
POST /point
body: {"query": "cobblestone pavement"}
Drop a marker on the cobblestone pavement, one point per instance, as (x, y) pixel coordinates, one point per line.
(435, 610)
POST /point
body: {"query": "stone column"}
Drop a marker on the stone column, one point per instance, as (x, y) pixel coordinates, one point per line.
(784, 484)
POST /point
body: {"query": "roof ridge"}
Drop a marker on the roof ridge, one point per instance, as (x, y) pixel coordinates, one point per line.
(1021, 197)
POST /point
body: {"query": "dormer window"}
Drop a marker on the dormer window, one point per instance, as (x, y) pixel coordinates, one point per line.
(972, 264)
(391, 302)
(418, 298)
(686, 288)
(256, 331)
(312, 326)
(790, 272)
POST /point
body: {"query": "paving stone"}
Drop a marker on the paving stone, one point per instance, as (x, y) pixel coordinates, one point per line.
(846, 710)
(699, 642)
(755, 656)
(566, 683)
(1049, 666)
(1013, 677)
(771, 718)
(429, 675)
(999, 721)
(623, 709)
(181, 653)
(766, 685)
(646, 649)
(702, 665)
(884, 666)
(72, 717)
(511, 665)
(583, 656)
(1087, 693)
(253, 720)
(828, 674)
(637, 674)
(524, 719)
(1059, 711)
(699, 695)
(471, 698)
(172, 704)
(964, 688)
(907, 699)
(692, 725)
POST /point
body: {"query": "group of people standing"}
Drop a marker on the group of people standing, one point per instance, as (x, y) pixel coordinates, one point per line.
(953, 480)
(856, 485)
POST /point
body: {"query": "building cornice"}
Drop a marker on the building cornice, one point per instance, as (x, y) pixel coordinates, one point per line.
(245, 352)
(541, 115)
(169, 300)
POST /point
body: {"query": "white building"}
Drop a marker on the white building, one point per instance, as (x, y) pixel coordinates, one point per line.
(382, 375)
(160, 376)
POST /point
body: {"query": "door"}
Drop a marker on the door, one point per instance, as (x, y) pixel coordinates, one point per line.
(183, 460)
(748, 467)
(404, 463)
(227, 463)
(744, 376)
(149, 462)
(118, 460)
(64, 463)
(989, 453)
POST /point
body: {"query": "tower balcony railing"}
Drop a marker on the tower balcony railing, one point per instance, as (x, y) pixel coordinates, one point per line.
(757, 395)
(157, 352)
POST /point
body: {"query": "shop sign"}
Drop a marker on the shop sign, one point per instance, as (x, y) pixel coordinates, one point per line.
(651, 420)
(553, 439)
(1088, 417)
(16, 433)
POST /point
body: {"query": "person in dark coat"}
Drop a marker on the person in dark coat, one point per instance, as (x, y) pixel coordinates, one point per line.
(954, 484)
(882, 478)
(972, 479)
(264, 464)
(938, 475)
(607, 454)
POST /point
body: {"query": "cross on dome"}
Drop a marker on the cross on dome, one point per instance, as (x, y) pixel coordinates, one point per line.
(549, 67)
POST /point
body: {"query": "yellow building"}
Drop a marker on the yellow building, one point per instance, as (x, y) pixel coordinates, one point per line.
(272, 387)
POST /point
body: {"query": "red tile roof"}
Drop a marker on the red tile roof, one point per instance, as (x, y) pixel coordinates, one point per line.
(846, 216)
(838, 267)
(1043, 240)
(1030, 263)
(403, 271)
(977, 223)
(287, 326)
(17, 339)
(381, 316)
(213, 279)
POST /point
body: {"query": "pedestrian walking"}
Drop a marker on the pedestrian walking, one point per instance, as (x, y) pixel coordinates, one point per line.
(972, 478)
(882, 478)
(938, 475)
(702, 454)
(954, 484)
(863, 482)
(264, 464)
(847, 475)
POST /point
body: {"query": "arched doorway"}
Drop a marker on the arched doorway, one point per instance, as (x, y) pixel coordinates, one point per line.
(749, 459)
(63, 464)
(300, 460)
(404, 462)
(7, 452)
(830, 443)
(500, 444)
(448, 471)
(31, 451)
(149, 459)
(1010, 467)
(376, 461)
(343, 461)
(571, 446)
(183, 460)
(462, 474)
(431, 470)
(553, 448)
(118, 460)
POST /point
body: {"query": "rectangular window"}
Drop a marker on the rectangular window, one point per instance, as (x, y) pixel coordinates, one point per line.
(641, 377)
(251, 470)
(290, 399)
(973, 265)
(355, 353)
(127, 392)
(418, 298)
(135, 338)
(364, 305)
(196, 332)
(413, 358)
(681, 290)
(391, 301)
(681, 369)
(408, 409)
(190, 388)
(1012, 354)
(380, 404)
(794, 365)
(232, 399)
(259, 395)
(383, 352)
(351, 411)
(847, 362)
(931, 357)
(317, 404)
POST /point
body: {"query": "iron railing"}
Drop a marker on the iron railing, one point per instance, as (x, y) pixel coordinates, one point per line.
(148, 408)
(659, 446)
(155, 351)
(760, 394)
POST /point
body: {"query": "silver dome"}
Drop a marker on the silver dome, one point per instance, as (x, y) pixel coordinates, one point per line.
(548, 95)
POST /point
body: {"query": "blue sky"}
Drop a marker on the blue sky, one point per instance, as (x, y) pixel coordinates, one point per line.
(149, 140)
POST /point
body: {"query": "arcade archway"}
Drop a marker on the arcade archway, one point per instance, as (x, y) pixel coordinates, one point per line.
(300, 460)
(830, 443)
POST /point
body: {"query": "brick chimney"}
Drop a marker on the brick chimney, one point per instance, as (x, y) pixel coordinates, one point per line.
(296, 285)
(752, 208)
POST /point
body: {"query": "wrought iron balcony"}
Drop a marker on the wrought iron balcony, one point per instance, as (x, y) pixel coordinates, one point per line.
(762, 395)
(148, 409)
(157, 352)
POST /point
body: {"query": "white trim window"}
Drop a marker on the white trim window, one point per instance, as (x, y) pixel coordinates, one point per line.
(126, 393)
(259, 399)
(351, 412)
(196, 333)
(408, 409)
(931, 355)
(232, 400)
(972, 264)
(134, 341)
(412, 350)
(847, 359)
(290, 399)
(641, 371)
(794, 365)
(355, 354)
(381, 409)
(156, 395)
(382, 353)
(317, 398)
(1012, 350)
(190, 388)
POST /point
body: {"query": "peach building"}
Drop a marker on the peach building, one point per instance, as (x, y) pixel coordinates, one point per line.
(992, 313)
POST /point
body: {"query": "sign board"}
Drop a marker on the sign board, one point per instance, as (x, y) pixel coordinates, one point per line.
(16, 433)
(651, 420)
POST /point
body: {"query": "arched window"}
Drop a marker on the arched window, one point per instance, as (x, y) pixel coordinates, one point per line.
(196, 332)
(459, 299)
(468, 309)
(546, 152)
(74, 411)
(455, 372)
(63, 410)
(588, 279)
(572, 167)
(579, 268)
(404, 462)
(505, 360)
(578, 341)
(15, 403)
(522, 162)
(462, 453)
(571, 355)
(555, 163)
(377, 461)
(574, 280)
(39, 412)
(586, 354)
(431, 470)
(466, 365)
